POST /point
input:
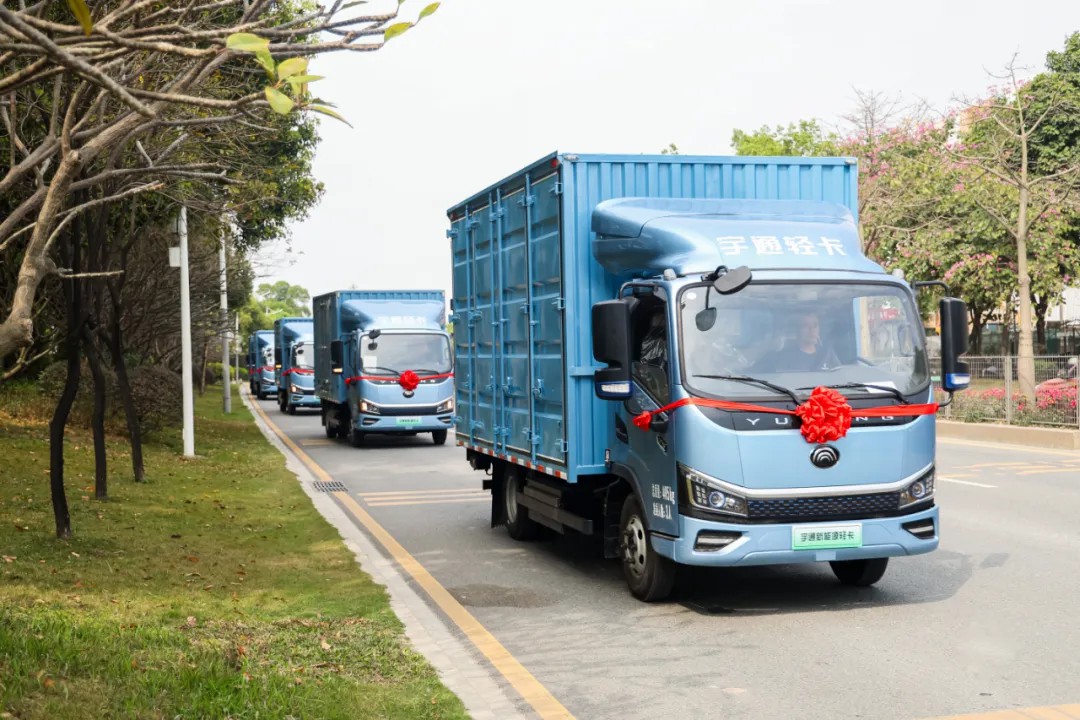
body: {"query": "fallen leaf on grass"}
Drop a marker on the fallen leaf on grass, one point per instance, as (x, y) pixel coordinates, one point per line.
(323, 644)
(11, 558)
(192, 558)
(191, 621)
(75, 554)
(48, 683)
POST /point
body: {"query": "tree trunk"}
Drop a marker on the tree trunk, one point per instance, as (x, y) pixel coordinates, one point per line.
(977, 323)
(202, 367)
(1042, 305)
(67, 399)
(126, 398)
(101, 490)
(1026, 351)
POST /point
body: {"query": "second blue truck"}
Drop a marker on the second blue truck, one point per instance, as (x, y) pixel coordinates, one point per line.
(383, 364)
(294, 363)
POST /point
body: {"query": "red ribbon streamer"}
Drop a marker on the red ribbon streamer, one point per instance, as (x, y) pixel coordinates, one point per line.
(408, 380)
(825, 415)
(265, 368)
(298, 371)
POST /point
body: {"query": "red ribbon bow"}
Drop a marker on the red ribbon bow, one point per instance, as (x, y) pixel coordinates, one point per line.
(408, 380)
(825, 415)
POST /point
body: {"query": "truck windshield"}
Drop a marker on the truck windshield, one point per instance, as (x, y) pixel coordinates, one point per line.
(394, 353)
(800, 336)
(303, 357)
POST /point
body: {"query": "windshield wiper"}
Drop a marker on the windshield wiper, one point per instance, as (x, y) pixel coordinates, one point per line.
(764, 383)
(428, 370)
(865, 386)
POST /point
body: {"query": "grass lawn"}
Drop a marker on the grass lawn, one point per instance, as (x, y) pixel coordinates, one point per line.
(214, 590)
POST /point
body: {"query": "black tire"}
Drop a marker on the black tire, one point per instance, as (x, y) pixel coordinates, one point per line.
(289, 407)
(439, 437)
(859, 573)
(516, 516)
(356, 438)
(649, 576)
(331, 431)
(260, 394)
(281, 400)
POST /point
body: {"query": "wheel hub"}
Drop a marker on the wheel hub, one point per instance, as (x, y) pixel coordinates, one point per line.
(510, 494)
(634, 546)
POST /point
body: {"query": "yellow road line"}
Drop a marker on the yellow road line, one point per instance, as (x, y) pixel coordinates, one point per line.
(1043, 471)
(433, 501)
(1054, 712)
(316, 441)
(541, 700)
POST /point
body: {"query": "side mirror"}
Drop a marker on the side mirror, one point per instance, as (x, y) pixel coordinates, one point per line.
(277, 358)
(955, 374)
(336, 356)
(733, 280)
(611, 346)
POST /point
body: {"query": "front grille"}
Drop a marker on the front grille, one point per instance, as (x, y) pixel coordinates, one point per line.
(839, 507)
(407, 410)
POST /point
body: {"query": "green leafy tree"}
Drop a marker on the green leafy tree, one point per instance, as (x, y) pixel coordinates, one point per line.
(272, 301)
(804, 138)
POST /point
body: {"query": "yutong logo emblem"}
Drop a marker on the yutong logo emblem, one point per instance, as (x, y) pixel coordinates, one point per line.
(824, 456)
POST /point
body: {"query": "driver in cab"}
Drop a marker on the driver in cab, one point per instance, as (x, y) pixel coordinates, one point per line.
(805, 353)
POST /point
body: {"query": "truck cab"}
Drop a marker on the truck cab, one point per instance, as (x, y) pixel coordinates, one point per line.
(384, 364)
(716, 365)
(294, 363)
(261, 373)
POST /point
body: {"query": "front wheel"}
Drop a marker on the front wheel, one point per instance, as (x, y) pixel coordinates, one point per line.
(859, 573)
(289, 407)
(438, 437)
(356, 438)
(650, 576)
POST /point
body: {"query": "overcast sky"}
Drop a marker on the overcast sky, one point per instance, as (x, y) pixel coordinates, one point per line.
(484, 87)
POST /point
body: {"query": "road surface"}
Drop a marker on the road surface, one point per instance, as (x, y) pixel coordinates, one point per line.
(989, 622)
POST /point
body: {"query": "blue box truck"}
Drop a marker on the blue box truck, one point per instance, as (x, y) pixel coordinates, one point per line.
(383, 363)
(261, 379)
(294, 363)
(691, 358)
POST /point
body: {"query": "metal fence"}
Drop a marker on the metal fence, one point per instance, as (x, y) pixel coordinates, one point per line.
(994, 395)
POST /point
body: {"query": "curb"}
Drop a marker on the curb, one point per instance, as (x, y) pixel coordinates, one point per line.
(1053, 438)
(452, 659)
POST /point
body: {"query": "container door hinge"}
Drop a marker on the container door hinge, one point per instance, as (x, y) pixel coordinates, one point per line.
(452, 233)
(527, 200)
(556, 189)
(563, 446)
(496, 213)
(471, 222)
(559, 304)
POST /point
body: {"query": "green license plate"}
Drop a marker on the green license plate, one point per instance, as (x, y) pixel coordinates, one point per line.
(408, 421)
(826, 537)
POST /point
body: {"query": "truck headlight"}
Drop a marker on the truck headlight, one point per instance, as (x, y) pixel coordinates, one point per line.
(445, 407)
(706, 493)
(294, 388)
(918, 491)
(369, 407)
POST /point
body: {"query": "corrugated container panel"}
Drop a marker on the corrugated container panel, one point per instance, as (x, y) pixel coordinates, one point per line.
(529, 390)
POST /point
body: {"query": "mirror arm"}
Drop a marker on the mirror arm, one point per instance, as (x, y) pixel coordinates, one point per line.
(948, 401)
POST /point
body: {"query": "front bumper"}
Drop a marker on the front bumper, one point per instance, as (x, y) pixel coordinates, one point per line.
(303, 400)
(404, 424)
(268, 386)
(771, 544)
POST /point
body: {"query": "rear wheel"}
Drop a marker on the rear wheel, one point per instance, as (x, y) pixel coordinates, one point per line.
(650, 576)
(331, 431)
(516, 516)
(859, 573)
(439, 437)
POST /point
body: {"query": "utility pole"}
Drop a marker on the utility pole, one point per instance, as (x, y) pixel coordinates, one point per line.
(185, 336)
(226, 382)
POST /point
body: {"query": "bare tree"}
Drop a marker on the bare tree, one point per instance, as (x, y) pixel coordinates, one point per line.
(996, 140)
(97, 92)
